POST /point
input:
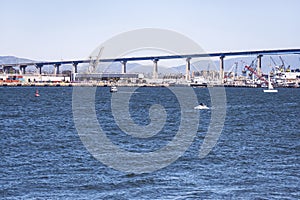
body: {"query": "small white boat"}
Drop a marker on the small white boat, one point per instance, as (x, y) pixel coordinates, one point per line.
(201, 106)
(113, 89)
(270, 86)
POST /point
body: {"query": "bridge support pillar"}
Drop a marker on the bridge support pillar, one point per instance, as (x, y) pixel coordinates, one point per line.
(188, 69)
(74, 71)
(23, 69)
(155, 69)
(56, 68)
(222, 69)
(7, 69)
(4, 69)
(39, 68)
(259, 64)
(75, 65)
(123, 66)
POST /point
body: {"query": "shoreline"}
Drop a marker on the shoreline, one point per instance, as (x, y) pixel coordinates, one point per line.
(101, 84)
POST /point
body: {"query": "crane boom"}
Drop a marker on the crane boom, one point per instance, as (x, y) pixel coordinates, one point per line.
(256, 74)
(281, 61)
(282, 67)
(273, 61)
(94, 63)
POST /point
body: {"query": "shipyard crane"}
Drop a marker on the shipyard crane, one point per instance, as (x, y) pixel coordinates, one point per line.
(256, 74)
(233, 70)
(94, 63)
(253, 63)
(252, 70)
(277, 67)
(286, 69)
(243, 70)
(282, 66)
(273, 61)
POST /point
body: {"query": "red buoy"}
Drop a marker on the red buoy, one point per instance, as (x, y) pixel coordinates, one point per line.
(37, 93)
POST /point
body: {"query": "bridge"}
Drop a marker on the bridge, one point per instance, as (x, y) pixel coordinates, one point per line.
(155, 59)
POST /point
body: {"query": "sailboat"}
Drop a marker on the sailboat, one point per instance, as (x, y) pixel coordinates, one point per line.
(270, 86)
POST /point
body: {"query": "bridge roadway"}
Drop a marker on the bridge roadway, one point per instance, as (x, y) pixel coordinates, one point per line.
(222, 54)
(155, 59)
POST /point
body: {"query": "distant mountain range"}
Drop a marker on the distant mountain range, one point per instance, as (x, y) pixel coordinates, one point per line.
(231, 64)
(13, 60)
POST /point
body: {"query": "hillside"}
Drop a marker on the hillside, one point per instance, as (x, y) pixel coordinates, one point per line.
(13, 60)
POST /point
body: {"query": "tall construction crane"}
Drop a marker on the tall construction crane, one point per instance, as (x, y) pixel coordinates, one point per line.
(256, 74)
(282, 66)
(273, 61)
(253, 67)
(275, 65)
(94, 63)
(243, 70)
(233, 71)
(286, 69)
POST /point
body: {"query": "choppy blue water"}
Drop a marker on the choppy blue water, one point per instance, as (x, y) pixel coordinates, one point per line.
(257, 155)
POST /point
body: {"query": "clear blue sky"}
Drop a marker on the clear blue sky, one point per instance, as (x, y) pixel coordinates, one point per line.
(70, 29)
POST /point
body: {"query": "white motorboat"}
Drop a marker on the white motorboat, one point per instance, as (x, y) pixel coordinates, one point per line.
(113, 89)
(201, 106)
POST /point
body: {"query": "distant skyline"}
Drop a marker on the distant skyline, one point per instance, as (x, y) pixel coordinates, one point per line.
(65, 29)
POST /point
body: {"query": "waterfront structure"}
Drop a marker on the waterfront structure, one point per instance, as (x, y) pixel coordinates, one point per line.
(7, 68)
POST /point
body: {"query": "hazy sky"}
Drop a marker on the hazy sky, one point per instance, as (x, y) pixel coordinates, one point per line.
(68, 29)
